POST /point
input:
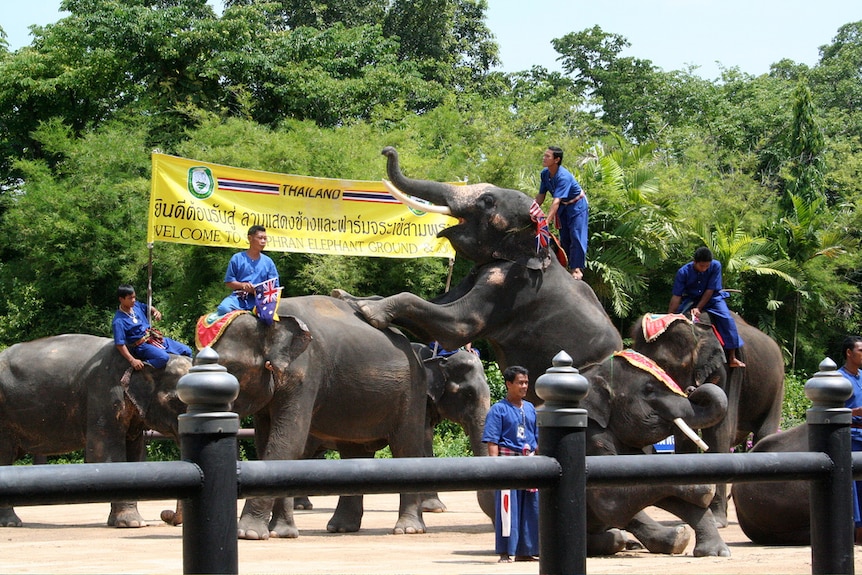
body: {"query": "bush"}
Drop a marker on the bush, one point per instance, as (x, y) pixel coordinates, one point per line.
(795, 402)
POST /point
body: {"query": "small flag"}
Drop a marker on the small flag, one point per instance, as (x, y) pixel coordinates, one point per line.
(544, 238)
(506, 511)
(267, 294)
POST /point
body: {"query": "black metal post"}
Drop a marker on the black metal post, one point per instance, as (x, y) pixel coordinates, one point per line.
(208, 438)
(831, 498)
(562, 435)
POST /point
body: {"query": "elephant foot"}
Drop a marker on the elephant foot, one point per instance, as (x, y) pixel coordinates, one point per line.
(125, 516)
(8, 518)
(409, 525)
(371, 310)
(341, 523)
(280, 528)
(711, 548)
(432, 504)
(605, 543)
(303, 503)
(252, 528)
(672, 541)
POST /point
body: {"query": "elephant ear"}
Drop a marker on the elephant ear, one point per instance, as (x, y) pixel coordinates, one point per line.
(436, 372)
(300, 335)
(598, 399)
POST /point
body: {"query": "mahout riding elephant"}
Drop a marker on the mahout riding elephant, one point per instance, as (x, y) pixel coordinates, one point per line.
(631, 405)
(776, 513)
(517, 296)
(692, 354)
(322, 371)
(69, 392)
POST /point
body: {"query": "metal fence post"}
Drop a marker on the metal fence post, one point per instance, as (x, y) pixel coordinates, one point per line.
(831, 499)
(562, 435)
(208, 438)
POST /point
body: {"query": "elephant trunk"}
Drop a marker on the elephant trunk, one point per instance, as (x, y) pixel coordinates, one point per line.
(709, 403)
(437, 193)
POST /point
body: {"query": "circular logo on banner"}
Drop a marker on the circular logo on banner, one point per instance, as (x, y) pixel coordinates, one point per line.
(418, 201)
(201, 182)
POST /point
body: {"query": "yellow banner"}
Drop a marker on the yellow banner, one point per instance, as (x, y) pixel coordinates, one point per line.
(198, 203)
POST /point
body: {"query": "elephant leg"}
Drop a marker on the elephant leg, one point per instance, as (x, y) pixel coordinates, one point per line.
(348, 515)
(125, 514)
(708, 542)
(658, 538)
(254, 519)
(606, 542)
(303, 503)
(281, 524)
(8, 518)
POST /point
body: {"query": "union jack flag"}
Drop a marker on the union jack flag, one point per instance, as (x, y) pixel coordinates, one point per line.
(543, 234)
(266, 295)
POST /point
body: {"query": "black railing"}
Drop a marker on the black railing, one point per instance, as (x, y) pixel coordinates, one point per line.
(210, 480)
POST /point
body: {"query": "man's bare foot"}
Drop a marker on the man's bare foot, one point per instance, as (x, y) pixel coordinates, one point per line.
(735, 363)
(526, 558)
(577, 274)
(504, 558)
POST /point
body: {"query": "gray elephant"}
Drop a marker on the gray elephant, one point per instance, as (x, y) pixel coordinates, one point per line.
(776, 513)
(692, 355)
(629, 407)
(331, 376)
(517, 296)
(68, 392)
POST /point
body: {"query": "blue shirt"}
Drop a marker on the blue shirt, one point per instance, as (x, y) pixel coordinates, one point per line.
(130, 327)
(691, 283)
(563, 185)
(504, 420)
(854, 400)
(242, 268)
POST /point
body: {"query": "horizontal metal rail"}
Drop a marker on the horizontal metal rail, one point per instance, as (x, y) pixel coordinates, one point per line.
(98, 482)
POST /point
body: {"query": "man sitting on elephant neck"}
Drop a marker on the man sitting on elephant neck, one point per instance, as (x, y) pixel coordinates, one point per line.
(135, 339)
(245, 270)
(698, 283)
(510, 429)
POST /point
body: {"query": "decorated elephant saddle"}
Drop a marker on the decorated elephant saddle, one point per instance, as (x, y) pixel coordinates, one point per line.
(643, 362)
(210, 327)
(655, 324)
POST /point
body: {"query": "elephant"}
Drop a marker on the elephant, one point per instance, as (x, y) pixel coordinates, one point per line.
(457, 391)
(519, 299)
(776, 513)
(74, 391)
(322, 371)
(629, 408)
(692, 355)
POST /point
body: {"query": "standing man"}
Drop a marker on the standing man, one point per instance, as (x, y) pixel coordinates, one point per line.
(510, 429)
(569, 210)
(698, 284)
(245, 270)
(135, 339)
(851, 350)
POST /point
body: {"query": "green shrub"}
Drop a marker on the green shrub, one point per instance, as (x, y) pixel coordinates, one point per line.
(795, 402)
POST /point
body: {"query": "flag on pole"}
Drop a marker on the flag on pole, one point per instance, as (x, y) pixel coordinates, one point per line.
(267, 295)
(506, 511)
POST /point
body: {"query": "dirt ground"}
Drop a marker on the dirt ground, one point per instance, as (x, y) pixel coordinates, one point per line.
(74, 539)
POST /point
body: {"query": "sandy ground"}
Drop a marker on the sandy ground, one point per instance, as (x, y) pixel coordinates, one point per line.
(74, 539)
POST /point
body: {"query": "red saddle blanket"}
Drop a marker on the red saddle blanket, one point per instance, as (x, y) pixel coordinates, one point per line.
(210, 327)
(655, 324)
(643, 362)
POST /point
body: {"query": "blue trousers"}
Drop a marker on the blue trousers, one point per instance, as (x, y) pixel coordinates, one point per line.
(573, 232)
(523, 536)
(721, 318)
(158, 357)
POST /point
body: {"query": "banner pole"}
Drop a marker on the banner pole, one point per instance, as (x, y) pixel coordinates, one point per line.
(150, 284)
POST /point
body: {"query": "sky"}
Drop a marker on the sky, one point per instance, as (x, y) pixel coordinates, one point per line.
(674, 34)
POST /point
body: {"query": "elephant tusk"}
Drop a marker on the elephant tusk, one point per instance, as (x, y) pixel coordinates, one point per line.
(404, 198)
(689, 432)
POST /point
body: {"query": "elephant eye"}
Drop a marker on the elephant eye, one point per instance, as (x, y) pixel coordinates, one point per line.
(486, 201)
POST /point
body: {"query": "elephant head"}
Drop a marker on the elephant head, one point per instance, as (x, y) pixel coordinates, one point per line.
(493, 223)
(153, 394)
(258, 356)
(633, 405)
(688, 351)
(458, 391)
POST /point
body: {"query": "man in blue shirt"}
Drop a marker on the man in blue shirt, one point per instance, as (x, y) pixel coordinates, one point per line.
(245, 270)
(135, 339)
(851, 350)
(510, 429)
(569, 210)
(698, 284)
